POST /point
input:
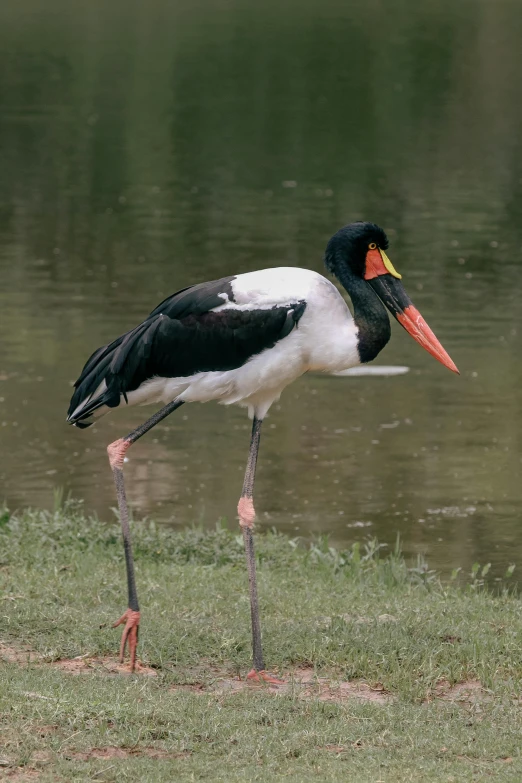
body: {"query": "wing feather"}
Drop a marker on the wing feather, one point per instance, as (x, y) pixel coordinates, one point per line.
(181, 337)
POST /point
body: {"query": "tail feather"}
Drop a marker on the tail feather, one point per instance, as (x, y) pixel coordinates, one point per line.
(111, 372)
(93, 388)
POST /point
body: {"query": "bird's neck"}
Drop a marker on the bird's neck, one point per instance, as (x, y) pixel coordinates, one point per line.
(369, 314)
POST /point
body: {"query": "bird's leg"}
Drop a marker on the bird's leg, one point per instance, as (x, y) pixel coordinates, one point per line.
(116, 452)
(246, 512)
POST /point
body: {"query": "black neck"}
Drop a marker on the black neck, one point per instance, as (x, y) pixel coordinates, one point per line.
(369, 314)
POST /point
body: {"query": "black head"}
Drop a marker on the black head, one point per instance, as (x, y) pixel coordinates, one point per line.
(350, 245)
(356, 255)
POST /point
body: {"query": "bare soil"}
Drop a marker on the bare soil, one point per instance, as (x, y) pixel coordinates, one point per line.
(111, 752)
(104, 665)
(19, 775)
(467, 691)
(17, 654)
(302, 683)
(305, 684)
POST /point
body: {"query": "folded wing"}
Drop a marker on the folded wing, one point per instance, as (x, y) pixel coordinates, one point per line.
(183, 336)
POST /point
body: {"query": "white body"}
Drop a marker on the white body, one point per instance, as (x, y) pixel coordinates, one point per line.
(324, 340)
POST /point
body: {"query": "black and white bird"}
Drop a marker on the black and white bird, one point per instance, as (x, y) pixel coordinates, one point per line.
(242, 339)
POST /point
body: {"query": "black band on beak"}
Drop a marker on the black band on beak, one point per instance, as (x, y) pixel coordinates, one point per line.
(391, 292)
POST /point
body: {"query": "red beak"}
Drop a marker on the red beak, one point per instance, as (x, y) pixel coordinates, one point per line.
(415, 324)
(392, 293)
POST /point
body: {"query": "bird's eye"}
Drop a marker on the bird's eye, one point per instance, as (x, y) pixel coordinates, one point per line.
(372, 245)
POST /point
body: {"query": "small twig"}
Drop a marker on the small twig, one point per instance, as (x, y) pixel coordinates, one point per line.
(475, 763)
(68, 738)
(103, 770)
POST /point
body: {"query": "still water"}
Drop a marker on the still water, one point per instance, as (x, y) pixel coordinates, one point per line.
(147, 146)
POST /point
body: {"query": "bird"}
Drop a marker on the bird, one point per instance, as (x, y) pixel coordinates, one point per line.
(241, 340)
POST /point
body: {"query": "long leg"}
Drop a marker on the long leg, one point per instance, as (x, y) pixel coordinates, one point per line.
(247, 515)
(116, 452)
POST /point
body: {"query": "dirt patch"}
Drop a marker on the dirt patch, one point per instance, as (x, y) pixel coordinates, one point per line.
(19, 775)
(103, 665)
(111, 752)
(465, 692)
(45, 731)
(207, 678)
(80, 665)
(301, 683)
(30, 773)
(17, 654)
(9, 771)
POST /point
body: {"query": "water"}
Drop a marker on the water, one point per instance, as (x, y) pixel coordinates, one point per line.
(144, 147)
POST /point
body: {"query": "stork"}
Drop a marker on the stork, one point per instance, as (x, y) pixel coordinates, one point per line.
(241, 340)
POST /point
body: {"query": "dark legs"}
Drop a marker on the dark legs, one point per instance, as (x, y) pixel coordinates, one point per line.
(247, 515)
(116, 452)
(245, 508)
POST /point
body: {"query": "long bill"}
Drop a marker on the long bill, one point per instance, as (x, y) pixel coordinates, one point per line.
(391, 292)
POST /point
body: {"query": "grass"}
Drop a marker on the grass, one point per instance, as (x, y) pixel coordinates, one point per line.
(358, 615)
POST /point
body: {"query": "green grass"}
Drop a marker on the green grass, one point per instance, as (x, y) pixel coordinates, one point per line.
(358, 614)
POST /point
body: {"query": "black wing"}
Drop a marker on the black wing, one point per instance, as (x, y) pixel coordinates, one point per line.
(181, 337)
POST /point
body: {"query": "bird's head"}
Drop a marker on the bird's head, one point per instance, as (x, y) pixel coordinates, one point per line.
(357, 254)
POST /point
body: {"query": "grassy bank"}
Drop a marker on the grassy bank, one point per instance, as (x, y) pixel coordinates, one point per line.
(436, 669)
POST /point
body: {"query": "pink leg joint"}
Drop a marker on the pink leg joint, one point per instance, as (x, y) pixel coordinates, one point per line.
(247, 514)
(117, 451)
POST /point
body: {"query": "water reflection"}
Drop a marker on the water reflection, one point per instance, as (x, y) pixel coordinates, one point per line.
(145, 148)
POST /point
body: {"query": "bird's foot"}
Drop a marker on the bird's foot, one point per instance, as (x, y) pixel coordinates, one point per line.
(262, 676)
(131, 619)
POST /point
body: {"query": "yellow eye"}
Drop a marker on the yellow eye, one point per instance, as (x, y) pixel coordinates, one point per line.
(372, 245)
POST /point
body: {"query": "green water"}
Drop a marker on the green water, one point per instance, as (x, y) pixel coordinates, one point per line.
(146, 146)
